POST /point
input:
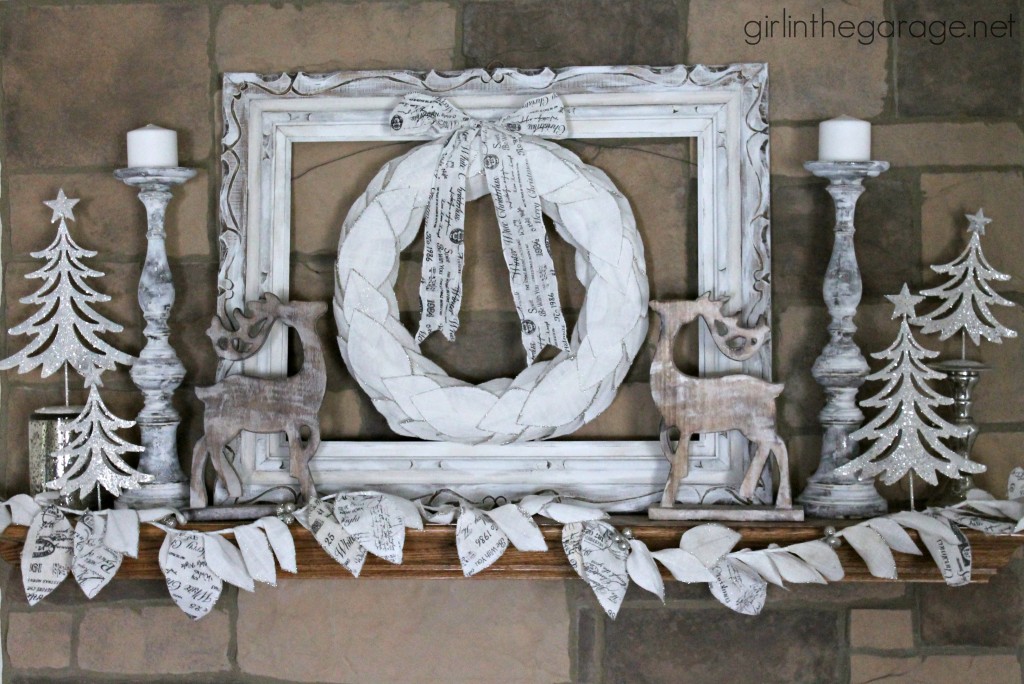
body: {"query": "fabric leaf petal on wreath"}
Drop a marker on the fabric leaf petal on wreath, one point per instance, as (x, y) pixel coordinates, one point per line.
(821, 557)
(225, 561)
(643, 570)
(456, 410)
(259, 559)
(339, 544)
(479, 541)
(546, 405)
(894, 535)
(870, 545)
(47, 556)
(374, 521)
(737, 587)
(709, 542)
(191, 583)
(952, 559)
(519, 527)
(122, 531)
(361, 296)
(95, 563)
(281, 541)
(974, 522)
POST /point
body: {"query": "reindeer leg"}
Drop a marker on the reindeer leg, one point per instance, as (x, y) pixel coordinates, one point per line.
(304, 475)
(298, 468)
(785, 496)
(225, 470)
(757, 465)
(200, 454)
(679, 464)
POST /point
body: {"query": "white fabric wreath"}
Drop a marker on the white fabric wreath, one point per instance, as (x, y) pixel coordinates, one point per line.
(549, 398)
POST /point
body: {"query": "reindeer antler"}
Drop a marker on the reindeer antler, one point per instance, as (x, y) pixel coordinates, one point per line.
(733, 339)
(249, 329)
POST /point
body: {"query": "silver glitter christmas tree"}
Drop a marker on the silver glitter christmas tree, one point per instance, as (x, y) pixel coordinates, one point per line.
(907, 432)
(65, 329)
(94, 454)
(967, 295)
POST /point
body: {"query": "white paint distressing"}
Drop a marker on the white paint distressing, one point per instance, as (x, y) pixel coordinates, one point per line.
(723, 107)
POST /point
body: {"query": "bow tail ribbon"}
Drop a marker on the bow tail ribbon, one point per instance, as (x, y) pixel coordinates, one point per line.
(517, 205)
(524, 243)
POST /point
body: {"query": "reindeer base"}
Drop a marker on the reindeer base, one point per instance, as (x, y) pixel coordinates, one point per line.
(726, 513)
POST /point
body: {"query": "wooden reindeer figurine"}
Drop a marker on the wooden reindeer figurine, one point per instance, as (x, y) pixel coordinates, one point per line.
(733, 402)
(265, 405)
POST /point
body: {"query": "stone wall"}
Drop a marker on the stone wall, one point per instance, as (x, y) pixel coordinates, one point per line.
(76, 75)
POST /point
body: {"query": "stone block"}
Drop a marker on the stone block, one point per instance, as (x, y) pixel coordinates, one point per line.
(888, 250)
(685, 645)
(947, 197)
(980, 615)
(933, 67)
(888, 630)
(530, 34)
(195, 286)
(341, 415)
(799, 338)
(632, 415)
(39, 639)
(872, 594)
(657, 179)
(153, 639)
(407, 630)
(325, 37)
(60, 61)
(719, 33)
(791, 147)
(70, 594)
(949, 144)
(1000, 452)
(109, 218)
(935, 669)
(327, 178)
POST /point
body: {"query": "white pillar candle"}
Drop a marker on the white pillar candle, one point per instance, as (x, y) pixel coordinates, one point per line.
(151, 146)
(844, 139)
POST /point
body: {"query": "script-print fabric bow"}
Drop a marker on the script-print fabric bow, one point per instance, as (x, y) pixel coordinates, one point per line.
(516, 203)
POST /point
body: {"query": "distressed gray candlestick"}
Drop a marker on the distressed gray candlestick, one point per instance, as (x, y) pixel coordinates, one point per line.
(158, 371)
(841, 368)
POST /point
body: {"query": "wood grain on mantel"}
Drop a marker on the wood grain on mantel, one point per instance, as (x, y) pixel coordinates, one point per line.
(431, 554)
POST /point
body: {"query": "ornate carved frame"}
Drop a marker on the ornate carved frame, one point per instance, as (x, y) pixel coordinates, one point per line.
(724, 107)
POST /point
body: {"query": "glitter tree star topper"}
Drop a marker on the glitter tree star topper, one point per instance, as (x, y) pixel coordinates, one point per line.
(907, 432)
(967, 295)
(65, 328)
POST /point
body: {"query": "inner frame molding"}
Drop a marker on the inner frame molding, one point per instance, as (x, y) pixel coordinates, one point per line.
(725, 108)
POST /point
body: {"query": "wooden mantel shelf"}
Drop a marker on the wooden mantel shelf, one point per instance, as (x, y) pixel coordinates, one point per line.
(431, 554)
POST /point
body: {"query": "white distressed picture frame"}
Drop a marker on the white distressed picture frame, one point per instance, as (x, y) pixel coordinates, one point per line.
(723, 107)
